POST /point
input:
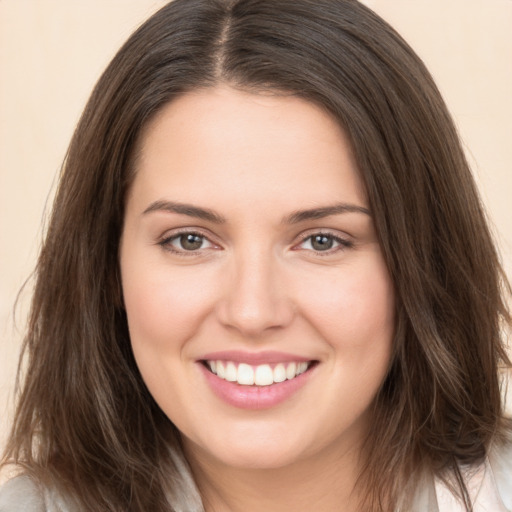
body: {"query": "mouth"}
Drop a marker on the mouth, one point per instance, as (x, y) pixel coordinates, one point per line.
(257, 375)
(256, 380)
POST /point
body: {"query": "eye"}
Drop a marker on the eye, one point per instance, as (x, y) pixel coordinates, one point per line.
(186, 242)
(324, 242)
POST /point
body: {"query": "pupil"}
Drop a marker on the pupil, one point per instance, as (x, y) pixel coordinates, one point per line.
(191, 242)
(322, 242)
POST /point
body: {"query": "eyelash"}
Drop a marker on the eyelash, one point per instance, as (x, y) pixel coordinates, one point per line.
(166, 243)
(342, 244)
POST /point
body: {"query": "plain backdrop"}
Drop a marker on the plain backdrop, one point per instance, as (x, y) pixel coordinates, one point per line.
(53, 51)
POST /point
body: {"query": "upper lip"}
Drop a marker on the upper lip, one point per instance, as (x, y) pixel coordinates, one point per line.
(254, 358)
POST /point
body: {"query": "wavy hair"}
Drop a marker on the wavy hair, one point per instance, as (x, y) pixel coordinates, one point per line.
(85, 421)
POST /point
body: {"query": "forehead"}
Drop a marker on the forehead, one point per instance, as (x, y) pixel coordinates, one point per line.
(221, 141)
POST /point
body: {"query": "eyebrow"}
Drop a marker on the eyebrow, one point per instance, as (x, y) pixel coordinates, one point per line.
(325, 211)
(185, 209)
(294, 218)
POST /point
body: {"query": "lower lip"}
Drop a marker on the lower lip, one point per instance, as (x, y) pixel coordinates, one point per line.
(254, 397)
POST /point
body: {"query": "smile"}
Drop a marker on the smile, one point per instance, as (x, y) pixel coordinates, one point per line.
(256, 380)
(259, 375)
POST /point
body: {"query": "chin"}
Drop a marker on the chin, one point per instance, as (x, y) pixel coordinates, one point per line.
(251, 450)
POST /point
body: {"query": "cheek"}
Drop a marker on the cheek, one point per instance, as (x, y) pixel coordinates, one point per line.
(164, 307)
(357, 320)
(355, 308)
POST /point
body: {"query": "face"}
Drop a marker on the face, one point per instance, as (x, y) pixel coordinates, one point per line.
(260, 309)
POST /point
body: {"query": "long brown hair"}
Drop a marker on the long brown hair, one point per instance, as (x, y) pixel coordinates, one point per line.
(85, 420)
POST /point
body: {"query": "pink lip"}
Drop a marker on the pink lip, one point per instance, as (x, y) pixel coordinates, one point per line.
(254, 358)
(254, 397)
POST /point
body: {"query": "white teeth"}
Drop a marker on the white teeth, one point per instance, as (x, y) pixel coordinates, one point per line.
(301, 368)
(264, 376)
(231, 373)
(221, 372)
(279, 373)
(291, 371)
(245, 374)
(261, 375)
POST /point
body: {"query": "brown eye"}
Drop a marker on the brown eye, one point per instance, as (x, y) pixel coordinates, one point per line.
(322, 242)
(190, 241)
(187, 242)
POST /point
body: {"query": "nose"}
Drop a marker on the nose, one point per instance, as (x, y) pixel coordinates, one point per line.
(256, 299)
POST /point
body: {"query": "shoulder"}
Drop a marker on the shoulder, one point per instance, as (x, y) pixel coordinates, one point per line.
(500, 473)
(23, 494)
(489, 484)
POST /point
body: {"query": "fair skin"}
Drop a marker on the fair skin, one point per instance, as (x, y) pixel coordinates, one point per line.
(248, 241)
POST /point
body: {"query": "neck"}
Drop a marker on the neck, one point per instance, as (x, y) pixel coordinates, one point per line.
(325, 482)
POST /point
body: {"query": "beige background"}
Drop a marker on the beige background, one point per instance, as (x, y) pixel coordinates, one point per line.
(52, 52)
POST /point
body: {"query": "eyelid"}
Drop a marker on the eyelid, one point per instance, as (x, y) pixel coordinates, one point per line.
(344, 242)
(165, 240)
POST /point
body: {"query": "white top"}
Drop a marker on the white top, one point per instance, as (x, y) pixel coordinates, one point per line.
(489, 485)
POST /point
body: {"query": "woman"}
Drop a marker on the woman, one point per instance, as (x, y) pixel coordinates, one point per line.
(267, 282)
